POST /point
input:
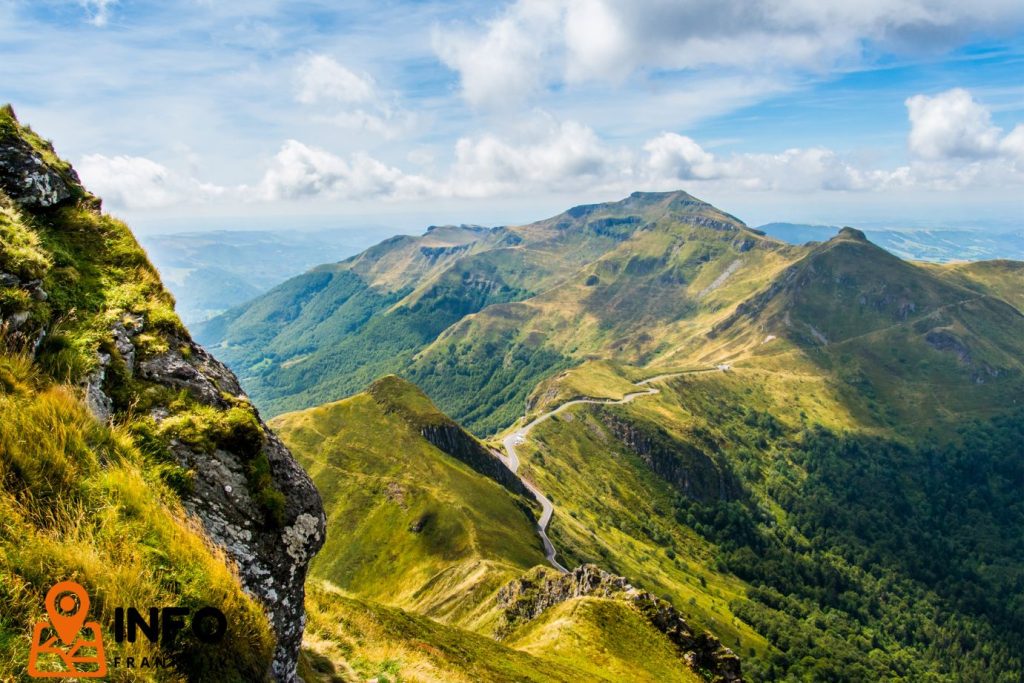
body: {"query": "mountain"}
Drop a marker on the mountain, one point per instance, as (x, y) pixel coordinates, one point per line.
(210, 272)
(917, 244)
(777, 440)
(131, 461)
(506, 305)
(420, 523)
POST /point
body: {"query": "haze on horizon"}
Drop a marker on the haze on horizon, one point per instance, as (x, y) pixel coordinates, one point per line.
(394, 115)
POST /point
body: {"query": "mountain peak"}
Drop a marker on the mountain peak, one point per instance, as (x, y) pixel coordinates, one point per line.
(851, 234)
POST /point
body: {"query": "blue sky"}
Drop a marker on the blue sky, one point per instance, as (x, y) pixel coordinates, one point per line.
(396, 115)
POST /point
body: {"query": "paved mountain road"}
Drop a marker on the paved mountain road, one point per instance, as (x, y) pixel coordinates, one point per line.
(511, 459)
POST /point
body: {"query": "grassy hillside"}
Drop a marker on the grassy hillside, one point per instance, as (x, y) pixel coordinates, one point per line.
(412, 526)
(808, 542)
(409, 524)
(907, 347)
(92, 488)
(351, 639)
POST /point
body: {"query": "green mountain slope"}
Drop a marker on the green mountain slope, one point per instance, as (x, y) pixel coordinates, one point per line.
(410, 524)
(802, 537)
(513, 304)
(418, 521)
(130, 460)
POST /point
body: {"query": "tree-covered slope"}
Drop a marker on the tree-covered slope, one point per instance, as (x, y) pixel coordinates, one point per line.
(130, 460)
(809, 543)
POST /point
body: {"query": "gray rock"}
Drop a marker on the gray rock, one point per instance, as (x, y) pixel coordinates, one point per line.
(272, 560)
(26, 178)
(99, 403)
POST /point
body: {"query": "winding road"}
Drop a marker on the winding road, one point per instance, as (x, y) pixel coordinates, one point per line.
(511, 459)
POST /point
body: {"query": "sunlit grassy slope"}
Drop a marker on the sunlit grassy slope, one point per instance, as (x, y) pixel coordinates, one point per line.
(349, 639)
(411, 527)
(409, 524)
(83, 500)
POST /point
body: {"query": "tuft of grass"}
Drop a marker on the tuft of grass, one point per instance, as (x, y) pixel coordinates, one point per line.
(80, 501)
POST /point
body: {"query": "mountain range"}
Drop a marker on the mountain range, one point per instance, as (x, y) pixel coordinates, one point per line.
(752, 436)
(635, 441)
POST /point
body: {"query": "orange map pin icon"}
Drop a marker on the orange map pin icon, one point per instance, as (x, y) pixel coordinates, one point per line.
(67, 605)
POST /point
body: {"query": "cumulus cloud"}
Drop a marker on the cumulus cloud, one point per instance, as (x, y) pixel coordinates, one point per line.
(673, 157)
(300, 171)
(341, 97)
(141, 183)
(321, 78)
(952, 125)
(508, 60)
(954, 145)
(528, 41)
(544, 155)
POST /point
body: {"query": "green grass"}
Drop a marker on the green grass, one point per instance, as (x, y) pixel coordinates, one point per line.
(408, 524)
(348, 638)
(81, 502)
(602, 638)
(101, 503)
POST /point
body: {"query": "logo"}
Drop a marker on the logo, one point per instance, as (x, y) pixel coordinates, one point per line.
(67, 646)
(61, 640)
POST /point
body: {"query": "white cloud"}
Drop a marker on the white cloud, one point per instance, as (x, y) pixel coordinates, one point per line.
(509, 60)
(531, 43)
(321, 78)
(348, 100)
(98, 11)
(140, 183)
(954, 144)
(675, 156)
(951, 125)
(300, 171)
(672, 158)
(545, 155)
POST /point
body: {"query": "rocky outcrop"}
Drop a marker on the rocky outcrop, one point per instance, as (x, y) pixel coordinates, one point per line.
(944, 340)
(27, 179)
(454, 441)
(272, 556)
(526, 598)
(271, 551)
(687, 468)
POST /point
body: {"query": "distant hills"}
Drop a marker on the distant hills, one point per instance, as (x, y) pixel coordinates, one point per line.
(917, 244)
(210, 272)
(478, 316)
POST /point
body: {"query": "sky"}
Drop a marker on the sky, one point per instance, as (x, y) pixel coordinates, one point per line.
(394, 115)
